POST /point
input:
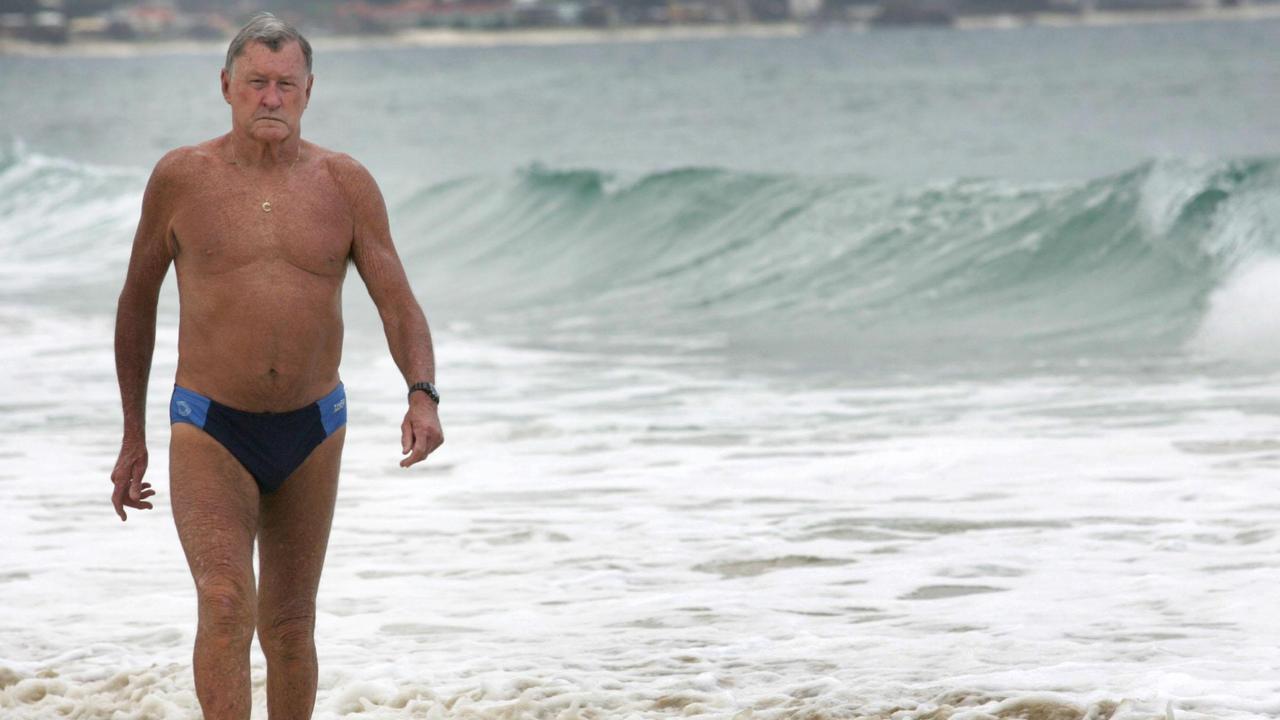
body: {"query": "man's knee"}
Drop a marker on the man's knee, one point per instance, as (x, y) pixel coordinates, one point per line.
(226, 608)
(288, 631)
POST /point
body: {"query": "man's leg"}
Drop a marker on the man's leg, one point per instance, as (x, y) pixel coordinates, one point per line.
(293, 533)
(215, 506)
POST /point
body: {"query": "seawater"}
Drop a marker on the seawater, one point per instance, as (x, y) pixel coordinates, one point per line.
(902, 375)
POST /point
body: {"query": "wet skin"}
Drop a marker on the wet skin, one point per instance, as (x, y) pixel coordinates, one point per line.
(260, 330)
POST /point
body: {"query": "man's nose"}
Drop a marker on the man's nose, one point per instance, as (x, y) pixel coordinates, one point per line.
(272, 98)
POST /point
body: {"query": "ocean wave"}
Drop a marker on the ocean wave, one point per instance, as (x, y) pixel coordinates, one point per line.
(65, 228)
(1140, 259)
(844, 263)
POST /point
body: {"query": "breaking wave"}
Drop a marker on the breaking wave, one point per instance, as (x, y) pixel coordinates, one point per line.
(1169, 256)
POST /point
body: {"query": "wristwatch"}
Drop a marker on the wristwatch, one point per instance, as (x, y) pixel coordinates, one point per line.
(427, 388)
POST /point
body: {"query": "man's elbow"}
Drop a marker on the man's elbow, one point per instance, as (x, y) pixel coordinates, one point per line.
(402, 312)
(136, 299)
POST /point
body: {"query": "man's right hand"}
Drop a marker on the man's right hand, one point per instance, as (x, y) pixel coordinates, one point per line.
(130, 467)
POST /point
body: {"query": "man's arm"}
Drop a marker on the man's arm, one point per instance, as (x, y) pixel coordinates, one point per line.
(136, 332)
(408, 336)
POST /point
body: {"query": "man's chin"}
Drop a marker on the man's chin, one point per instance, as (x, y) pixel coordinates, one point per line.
(270, 131)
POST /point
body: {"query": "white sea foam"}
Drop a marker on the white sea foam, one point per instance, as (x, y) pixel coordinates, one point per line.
(606, 536)
(1242, 321)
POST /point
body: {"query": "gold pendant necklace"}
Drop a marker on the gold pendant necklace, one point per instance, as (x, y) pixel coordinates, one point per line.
(266, 204)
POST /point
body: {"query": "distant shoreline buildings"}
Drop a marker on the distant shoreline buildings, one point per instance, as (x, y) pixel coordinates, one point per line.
(68, 21)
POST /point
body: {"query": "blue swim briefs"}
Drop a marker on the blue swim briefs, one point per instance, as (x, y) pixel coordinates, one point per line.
(269, 445)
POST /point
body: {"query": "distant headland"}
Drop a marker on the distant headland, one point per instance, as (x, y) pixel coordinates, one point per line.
(103, 27)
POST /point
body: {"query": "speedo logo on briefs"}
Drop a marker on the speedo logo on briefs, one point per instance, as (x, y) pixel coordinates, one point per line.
(183, 408)
(339, 405)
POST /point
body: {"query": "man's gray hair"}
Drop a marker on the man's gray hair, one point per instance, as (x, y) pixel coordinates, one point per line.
(270, 31)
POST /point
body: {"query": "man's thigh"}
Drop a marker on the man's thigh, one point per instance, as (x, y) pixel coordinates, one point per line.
(293, 531)
(215, 508)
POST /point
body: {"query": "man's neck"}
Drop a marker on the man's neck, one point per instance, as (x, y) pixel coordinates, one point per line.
(250, 153)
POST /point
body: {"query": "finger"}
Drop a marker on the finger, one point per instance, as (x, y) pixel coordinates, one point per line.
(406, 442)
(419, 449)
(429, 436)
(139, 504)
(135, 488)
(117, 499)
(412, 458)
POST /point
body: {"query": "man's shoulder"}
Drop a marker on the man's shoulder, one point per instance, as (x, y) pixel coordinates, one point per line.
(344, 168)
(354, 180)
(186, 161)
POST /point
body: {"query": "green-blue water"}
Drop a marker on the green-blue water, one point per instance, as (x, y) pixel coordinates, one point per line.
(841, 196)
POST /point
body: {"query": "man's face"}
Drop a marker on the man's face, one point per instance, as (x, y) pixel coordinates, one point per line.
(268, 91)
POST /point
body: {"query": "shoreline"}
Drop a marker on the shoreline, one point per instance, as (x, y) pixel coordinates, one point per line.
(448, 37)
(1110, 18)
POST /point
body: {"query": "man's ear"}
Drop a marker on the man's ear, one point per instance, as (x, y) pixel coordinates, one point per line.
(226, 85)
(310, 80)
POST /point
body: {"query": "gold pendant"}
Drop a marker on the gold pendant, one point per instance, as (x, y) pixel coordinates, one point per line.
(266, 206)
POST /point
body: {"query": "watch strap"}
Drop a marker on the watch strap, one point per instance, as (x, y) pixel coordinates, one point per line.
(427, 388)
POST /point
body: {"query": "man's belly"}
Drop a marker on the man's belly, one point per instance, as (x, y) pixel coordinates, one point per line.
(260, 347)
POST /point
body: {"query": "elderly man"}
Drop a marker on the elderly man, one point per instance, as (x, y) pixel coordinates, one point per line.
(260, 225)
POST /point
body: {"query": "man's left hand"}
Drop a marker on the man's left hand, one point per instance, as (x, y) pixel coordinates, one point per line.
(420, 432)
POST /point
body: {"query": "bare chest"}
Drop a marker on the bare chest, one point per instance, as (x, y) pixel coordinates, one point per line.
(234, 220)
